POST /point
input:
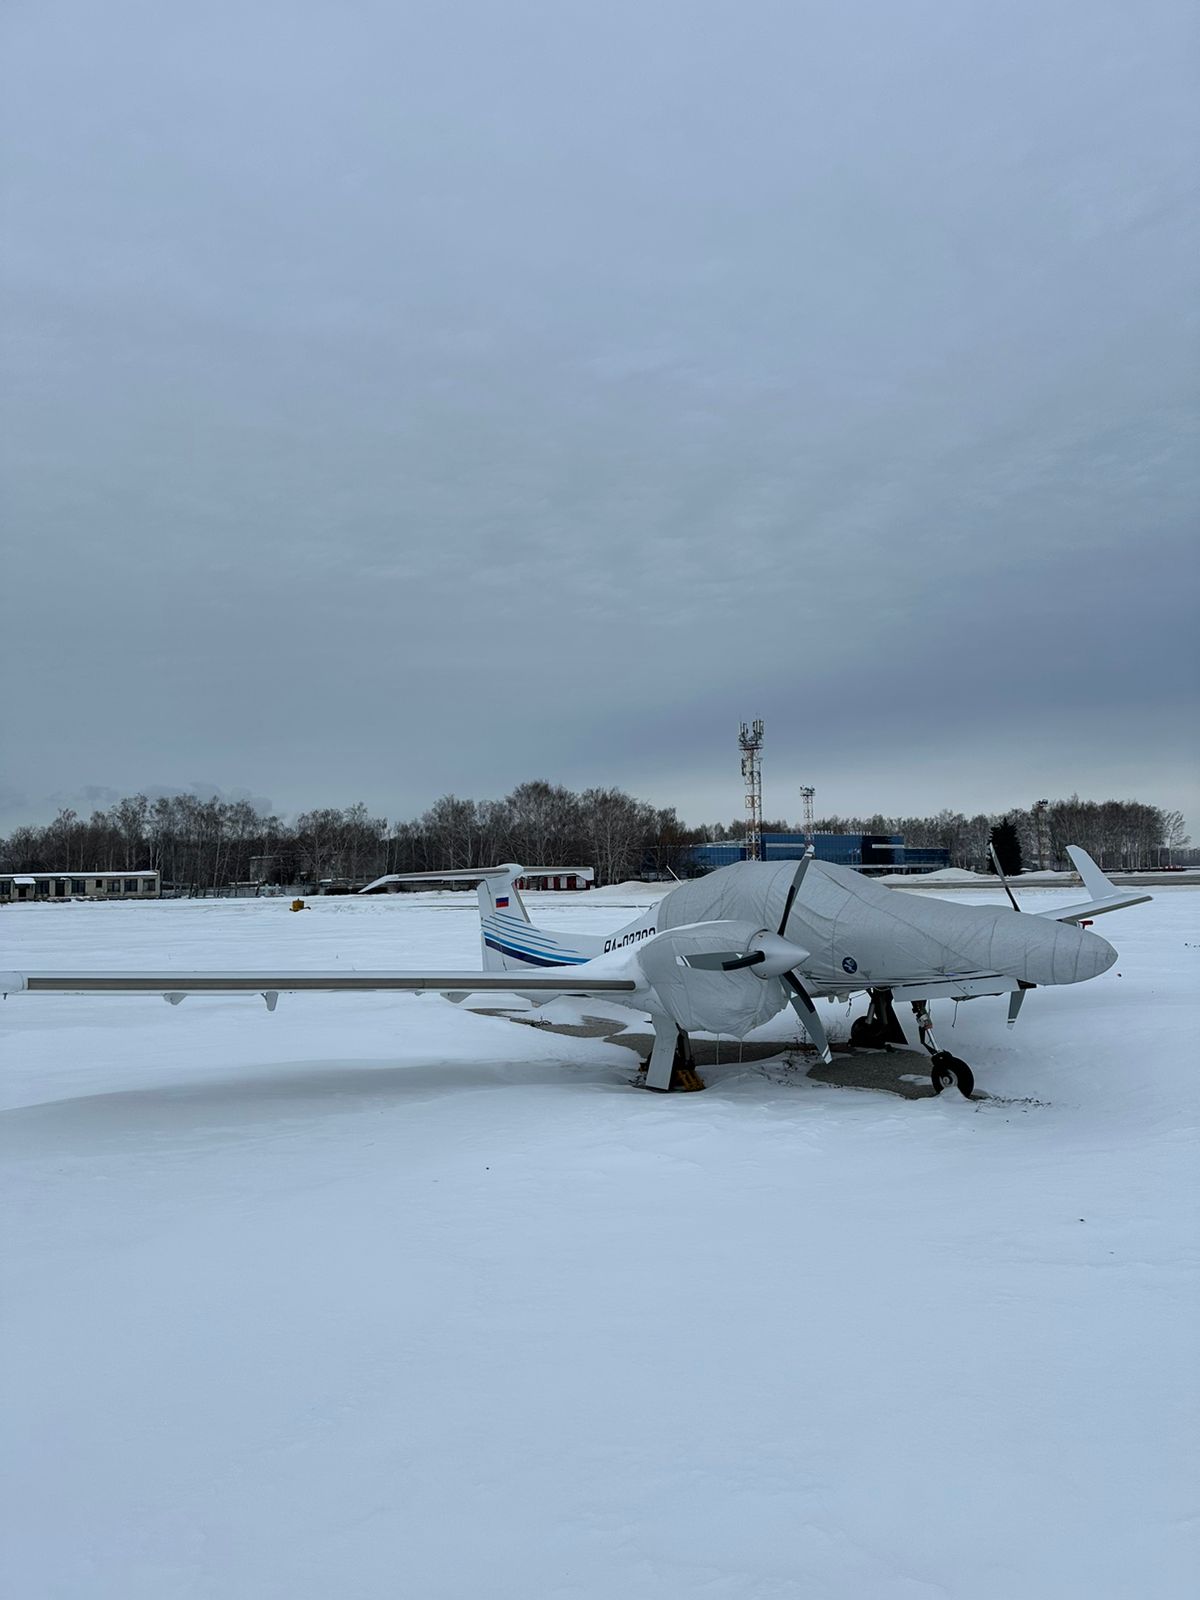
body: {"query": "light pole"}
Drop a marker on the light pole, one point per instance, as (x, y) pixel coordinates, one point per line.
(1039, 818)
(750, 744)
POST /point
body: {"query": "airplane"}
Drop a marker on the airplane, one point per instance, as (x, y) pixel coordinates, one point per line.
(724, 954)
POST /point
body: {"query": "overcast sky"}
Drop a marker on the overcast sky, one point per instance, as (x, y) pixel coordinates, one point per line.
(403, 399)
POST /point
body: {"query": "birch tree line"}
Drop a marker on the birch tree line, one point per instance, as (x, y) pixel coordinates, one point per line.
(203, 845)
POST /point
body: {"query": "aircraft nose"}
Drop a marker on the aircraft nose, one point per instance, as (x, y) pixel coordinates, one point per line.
(1096, 955)
(1070, 955)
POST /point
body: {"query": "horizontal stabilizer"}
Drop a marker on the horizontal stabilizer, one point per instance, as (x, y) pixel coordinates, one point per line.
(1094, 908)
(471, 875)
(1105, 894)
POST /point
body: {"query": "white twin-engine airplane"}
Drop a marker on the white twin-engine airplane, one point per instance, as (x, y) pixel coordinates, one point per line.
(725, 953)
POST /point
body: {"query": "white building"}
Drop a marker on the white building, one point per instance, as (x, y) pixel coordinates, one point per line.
(78, 885)
(557, 878)
(531, 878)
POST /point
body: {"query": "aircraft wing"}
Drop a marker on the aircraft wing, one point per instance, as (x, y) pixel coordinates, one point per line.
(176, 985)
(962, 986)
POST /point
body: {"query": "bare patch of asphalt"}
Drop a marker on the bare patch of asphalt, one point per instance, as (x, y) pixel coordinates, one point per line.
(888, 1071)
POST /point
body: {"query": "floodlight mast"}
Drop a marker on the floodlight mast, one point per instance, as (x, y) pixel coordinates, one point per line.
(1040, 807)
(807, 794)
(750, 743)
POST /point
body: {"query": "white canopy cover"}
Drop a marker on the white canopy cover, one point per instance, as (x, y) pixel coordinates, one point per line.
(860, 934)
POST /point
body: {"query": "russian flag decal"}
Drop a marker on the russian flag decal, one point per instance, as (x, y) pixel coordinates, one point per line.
(501, 902)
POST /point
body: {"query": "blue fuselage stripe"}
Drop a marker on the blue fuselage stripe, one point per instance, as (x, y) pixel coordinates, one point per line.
(527, 938)
(534, 959)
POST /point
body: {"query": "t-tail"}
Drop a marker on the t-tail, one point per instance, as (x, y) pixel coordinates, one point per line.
(511, 943)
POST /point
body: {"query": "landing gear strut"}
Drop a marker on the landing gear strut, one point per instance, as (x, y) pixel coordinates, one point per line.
(671, 1064)
(880, 1026)
(947, 1071)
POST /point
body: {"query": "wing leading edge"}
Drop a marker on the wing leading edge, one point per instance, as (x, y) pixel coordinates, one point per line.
(184, 983)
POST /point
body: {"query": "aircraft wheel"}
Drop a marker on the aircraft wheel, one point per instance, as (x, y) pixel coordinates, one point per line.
(951, 1073)
(868, 1034)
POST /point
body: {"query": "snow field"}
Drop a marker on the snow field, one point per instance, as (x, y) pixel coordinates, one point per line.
(374, 1296)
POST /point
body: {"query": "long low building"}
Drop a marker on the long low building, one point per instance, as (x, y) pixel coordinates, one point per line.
(531, 878)
(79, 885)
(869, 852)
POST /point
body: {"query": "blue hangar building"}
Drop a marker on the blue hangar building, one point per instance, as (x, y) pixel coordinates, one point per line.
(871, 853)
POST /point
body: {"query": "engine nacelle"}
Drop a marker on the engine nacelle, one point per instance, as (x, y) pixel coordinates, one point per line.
(686, 969)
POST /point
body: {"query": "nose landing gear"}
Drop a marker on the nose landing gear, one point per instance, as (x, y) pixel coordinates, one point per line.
(947, 1071)
(951, 1073)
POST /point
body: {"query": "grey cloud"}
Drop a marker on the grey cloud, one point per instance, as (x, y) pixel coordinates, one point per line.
(413, 399)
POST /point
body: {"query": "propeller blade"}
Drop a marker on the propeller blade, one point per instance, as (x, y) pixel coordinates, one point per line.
(791, 894)
(1000, 874)
(802, 1005)
(724, 960)
(767, 952)
(738, 962)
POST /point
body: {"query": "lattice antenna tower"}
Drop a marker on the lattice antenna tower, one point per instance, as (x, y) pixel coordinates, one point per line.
(1040, 807)
(807, 794)
(750, 743)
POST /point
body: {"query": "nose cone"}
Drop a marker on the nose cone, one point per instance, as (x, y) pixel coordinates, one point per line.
(1096, 955)
(777, 955)
(1068, 955)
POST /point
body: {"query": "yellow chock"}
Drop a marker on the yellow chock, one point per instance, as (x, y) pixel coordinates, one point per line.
(686, 1079)
(298, 905)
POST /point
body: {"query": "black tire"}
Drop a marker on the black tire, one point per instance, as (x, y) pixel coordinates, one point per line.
(948, 1072)
(868, 1034)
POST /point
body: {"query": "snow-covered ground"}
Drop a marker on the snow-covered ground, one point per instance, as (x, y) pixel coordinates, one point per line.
(376, 1297)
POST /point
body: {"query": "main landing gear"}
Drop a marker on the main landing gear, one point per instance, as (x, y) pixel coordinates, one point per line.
(880, 1026)
(947, 1071)
(671, 1064)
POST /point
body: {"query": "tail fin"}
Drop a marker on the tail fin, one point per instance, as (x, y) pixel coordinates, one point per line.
(498, 892)
(1094, 881)
(1105, 895)
(510, 941)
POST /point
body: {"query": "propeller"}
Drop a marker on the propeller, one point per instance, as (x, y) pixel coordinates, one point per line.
(722, 960)
(1000, 874)
(801, 1003)
(738, 962)
(767, 953)
(797, 880)
(773, 955)
(1017, 998)
(800, 1000)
